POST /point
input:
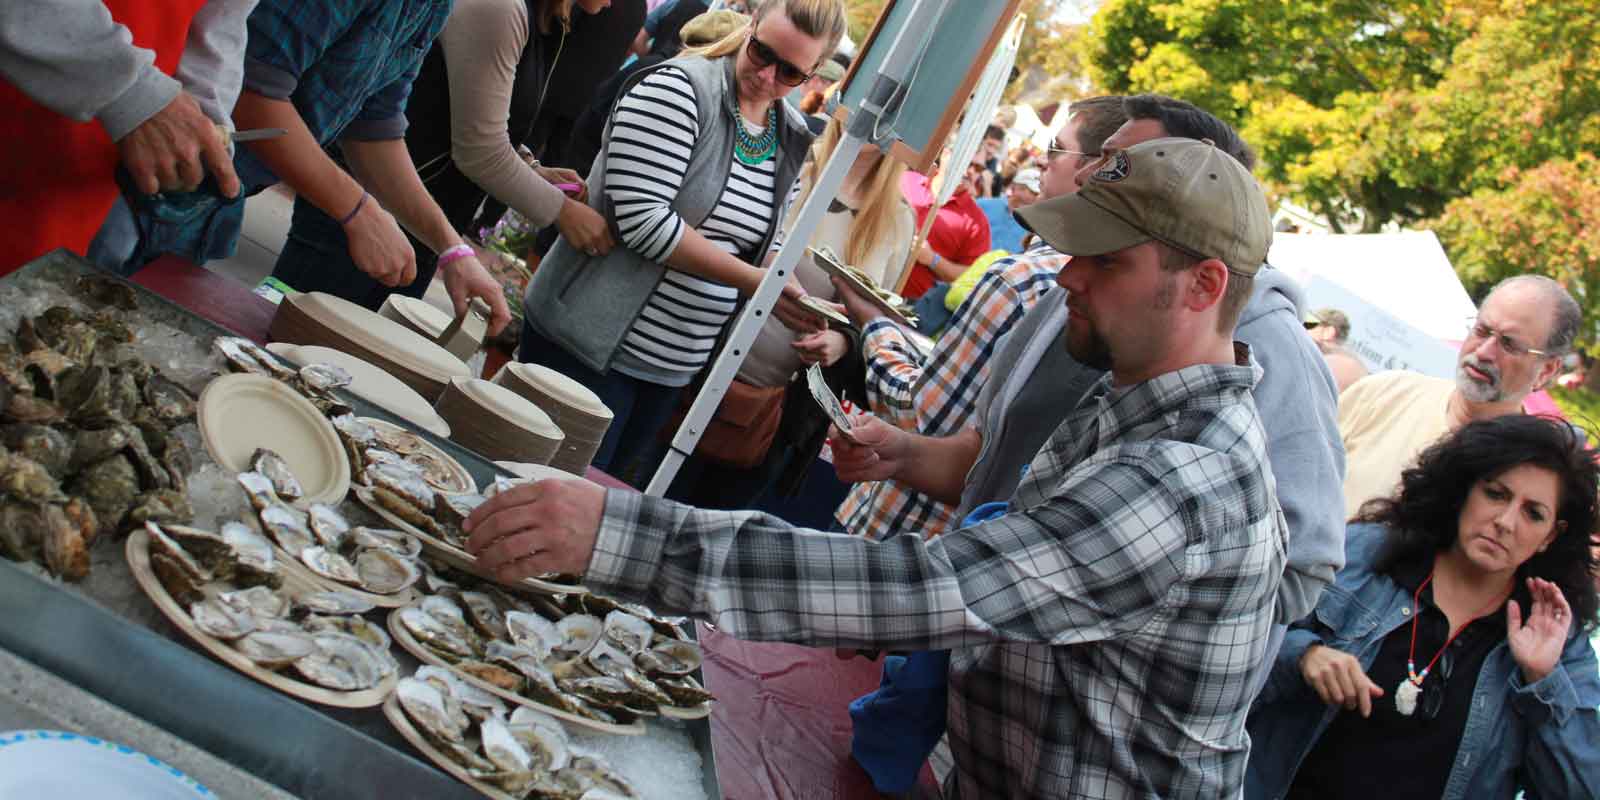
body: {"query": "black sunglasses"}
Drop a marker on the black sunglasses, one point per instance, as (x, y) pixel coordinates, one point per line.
(763, 56)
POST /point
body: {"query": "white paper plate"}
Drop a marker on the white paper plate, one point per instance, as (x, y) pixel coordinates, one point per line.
(429, 320)
(509, 406)
(55, 764)
(240, 413)
(371, 384)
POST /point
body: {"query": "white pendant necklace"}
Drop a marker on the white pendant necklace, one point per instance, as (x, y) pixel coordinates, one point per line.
(1409, 689)
(1406, 694)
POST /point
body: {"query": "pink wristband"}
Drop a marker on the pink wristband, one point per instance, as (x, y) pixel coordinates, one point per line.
(459, 251)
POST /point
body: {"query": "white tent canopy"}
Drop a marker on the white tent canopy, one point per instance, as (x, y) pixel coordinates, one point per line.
(1405, 303)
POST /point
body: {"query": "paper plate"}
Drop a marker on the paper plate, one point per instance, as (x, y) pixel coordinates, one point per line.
(509, 406)
(420, 314)
(371, 384)
(39, 763)
(560, 388)
(316, 318)
(240, 413)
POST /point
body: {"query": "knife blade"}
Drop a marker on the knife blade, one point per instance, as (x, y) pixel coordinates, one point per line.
(257, 134)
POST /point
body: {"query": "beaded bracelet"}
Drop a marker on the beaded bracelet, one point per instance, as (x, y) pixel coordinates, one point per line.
(354, 211)
(459, 251)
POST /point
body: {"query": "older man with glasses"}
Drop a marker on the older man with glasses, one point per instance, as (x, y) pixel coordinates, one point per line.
(1512, 349)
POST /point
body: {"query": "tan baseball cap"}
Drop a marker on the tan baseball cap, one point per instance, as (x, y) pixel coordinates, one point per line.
(1184, 192)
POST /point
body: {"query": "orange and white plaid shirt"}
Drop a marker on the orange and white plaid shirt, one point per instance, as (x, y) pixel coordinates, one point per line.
(936, 393)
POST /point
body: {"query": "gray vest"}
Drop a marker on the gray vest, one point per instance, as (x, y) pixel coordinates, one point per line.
(588, 304)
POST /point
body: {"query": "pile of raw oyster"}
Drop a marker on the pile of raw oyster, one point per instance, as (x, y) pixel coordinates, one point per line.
(526, 755)
(579, 653)
(87, 433)
(231, 585)
(376, 560)
(316, 382)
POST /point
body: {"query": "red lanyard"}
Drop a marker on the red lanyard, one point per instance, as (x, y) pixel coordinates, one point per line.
(1415, 677)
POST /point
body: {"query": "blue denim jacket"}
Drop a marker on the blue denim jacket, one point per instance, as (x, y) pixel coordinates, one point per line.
(1543, 738)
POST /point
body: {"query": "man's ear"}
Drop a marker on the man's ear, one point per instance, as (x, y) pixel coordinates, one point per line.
(1208, 284)
(1547, 373)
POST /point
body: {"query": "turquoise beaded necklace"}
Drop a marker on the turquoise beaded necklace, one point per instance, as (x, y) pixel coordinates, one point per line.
(753, 151)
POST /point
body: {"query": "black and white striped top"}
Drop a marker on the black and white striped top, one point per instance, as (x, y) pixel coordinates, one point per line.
(652, 135)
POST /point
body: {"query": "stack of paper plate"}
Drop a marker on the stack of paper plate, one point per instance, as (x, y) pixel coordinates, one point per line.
(576, 410)
(316, 318)
(497, 423)
(418, 315)
(369, 383)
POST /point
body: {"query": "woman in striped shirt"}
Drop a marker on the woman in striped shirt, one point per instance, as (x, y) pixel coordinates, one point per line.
(694, 175)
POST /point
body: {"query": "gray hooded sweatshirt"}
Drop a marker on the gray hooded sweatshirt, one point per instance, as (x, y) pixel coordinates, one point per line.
(1296, 397)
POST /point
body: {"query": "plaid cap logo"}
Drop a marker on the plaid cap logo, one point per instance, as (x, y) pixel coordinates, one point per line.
(1116, 168)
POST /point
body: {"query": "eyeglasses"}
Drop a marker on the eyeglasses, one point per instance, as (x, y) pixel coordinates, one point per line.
(1478, 330)
(1433, 686)
(763, 56)
(1052, 151)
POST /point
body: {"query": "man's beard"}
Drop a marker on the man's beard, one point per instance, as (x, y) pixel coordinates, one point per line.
(1477, 391)
(1090, 349)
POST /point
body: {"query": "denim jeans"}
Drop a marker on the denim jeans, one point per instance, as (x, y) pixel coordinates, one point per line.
(639, 409)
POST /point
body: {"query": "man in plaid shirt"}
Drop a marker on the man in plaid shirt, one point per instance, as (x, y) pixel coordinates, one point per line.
(1105, 631)
(936, 393)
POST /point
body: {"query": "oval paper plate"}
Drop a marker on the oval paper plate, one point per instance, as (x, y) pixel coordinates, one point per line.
(240, 413)
(38, 763)
(371, 384)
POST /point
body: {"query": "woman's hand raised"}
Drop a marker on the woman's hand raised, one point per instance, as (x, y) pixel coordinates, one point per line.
(1536, 644)
(1338, 679)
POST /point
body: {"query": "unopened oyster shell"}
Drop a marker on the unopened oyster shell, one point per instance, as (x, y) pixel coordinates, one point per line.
(49, 447)
(102, 291)
(161, 505)
(277, 470)
(22, 530)
(28, 481)
(170, 402)
(274, 649)
(602, 690)
(110, 486)
(384, 572)
(89, 446)
(66, 548)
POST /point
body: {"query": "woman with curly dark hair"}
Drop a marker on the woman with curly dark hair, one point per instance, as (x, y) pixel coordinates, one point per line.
(1451, 656)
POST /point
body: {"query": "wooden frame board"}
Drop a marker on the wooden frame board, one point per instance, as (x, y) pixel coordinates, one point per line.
(950, 36)
(137, 550)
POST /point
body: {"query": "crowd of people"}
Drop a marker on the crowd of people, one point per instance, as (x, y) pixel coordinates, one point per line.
(1157, 531)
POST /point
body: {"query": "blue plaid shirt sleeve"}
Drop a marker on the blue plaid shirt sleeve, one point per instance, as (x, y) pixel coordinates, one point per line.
(1094, 562)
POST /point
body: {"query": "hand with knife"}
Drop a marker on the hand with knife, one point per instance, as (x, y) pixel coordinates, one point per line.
(173, 150)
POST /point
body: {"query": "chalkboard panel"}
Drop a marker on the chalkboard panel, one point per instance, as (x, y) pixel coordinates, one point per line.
(941, 82)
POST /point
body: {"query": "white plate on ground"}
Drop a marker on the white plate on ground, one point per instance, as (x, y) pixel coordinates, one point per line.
(56, 764)
(371, 384)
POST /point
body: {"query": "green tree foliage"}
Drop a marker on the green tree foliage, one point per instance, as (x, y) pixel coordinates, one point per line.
(1475, 117)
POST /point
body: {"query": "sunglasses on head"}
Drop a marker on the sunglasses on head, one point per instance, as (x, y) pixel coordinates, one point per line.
(763, 56)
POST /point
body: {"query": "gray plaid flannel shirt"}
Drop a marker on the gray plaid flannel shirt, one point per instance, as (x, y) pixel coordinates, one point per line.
(1104, 632)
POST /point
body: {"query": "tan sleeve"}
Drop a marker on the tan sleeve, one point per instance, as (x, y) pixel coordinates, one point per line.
(483, 41)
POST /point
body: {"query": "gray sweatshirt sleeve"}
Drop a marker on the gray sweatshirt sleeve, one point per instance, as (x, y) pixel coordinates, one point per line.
(1299, 408)
(212, 68)
(71, 57)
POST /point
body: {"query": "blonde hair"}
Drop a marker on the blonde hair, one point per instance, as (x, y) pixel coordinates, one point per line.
(819, 19)
(880, 195)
